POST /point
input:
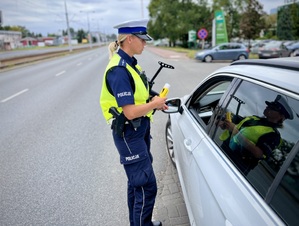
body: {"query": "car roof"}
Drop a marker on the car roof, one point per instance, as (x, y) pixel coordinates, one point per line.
(281, 72)
(230, 43)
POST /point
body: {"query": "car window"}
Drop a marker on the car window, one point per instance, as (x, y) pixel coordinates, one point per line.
(206, 99)
(223, 47)
(249, 109)
(235, 46)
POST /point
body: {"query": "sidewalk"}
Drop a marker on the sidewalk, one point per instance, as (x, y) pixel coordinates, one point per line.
(170, 207)
(167, 53)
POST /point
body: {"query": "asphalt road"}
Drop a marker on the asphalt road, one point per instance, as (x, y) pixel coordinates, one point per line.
(58, 163)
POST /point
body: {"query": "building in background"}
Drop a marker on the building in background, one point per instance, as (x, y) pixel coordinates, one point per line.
(10, 39)
(285, 2)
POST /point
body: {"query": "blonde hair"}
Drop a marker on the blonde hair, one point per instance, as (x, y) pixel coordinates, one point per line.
(113, 46)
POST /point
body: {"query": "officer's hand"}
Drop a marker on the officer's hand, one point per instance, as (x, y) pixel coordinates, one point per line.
(159, 103)
(231, 127)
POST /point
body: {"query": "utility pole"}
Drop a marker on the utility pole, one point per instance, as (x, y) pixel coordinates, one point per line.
(68, 28)
(142, 15)
(89, 33)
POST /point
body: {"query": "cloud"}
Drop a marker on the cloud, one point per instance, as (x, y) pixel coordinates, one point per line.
(49, 16)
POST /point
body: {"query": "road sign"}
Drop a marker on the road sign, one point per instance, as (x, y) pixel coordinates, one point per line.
(202, 33)
(191, 36)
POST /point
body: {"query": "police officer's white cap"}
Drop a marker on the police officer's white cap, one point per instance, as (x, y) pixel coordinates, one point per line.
(281, 105)
(135, 27)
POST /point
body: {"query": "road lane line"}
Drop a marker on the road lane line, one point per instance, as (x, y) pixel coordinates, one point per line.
(15, 95)
(60, 73)
(78, 64)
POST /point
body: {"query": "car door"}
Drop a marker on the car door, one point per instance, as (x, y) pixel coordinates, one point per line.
(189, 129)
(230, 52)
(221, 52)
(236, 50)
(243, 198)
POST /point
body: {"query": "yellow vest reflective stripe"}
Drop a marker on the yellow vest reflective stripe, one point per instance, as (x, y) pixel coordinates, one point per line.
(141, 94)
(252, 133)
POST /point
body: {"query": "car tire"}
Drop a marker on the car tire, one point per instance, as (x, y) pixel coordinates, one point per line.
(169, 141)
(242, 57)
(208, 59)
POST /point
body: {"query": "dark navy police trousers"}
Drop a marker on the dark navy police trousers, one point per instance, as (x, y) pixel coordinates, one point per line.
(134, 150)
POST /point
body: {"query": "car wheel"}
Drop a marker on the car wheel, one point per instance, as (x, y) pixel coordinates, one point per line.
(208, 58)
(242, 57)
(169, 141)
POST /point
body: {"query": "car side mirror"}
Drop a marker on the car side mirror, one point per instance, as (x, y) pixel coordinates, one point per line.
(174, 105)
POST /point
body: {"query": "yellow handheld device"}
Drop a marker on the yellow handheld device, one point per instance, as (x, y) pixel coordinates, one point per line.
(228, 116)
(165, 90)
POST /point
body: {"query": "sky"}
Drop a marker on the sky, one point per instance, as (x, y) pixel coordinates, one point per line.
(49, 16)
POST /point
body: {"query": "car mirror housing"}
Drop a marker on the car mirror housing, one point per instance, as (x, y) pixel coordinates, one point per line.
(174, 105)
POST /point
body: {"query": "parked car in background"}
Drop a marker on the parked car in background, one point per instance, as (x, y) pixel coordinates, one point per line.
(217, 191)
(296, 53)
(274, 49)
(289, 43)
(293, 48)
(256, 47)
(225, 51)
(161, 42)
(259, 45)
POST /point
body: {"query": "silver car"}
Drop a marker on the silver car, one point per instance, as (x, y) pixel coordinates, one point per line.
(274, 49)
(235, 143)
(225, 51)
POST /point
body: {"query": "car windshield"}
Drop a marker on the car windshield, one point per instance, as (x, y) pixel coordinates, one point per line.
(273, 45)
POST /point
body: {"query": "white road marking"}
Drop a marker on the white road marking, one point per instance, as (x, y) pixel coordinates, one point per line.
(15, 95)
(60, 73)
(78, 64)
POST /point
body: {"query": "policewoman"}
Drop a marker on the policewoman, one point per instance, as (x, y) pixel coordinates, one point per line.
(254, 138)
(125, 90)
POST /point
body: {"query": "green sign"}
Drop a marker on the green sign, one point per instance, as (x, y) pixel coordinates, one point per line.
(221, 33)
(191, 36)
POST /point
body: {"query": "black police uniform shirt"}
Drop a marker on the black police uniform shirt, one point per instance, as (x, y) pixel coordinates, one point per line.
(119, 81)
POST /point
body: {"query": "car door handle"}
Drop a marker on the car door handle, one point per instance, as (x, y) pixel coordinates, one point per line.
(187, 143)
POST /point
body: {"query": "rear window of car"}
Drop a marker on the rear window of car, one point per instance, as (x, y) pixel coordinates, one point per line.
(275, 175)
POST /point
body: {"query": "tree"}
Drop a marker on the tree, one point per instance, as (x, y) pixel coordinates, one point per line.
(295, 19)
(284, 23)
(163, 19)
(233, 13)
(270, 26)
(174, 18)
(195, 17)
(25, 32)
(252, 21)
(81, 35)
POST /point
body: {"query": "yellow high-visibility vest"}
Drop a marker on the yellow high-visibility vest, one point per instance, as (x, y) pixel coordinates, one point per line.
(141, 94)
